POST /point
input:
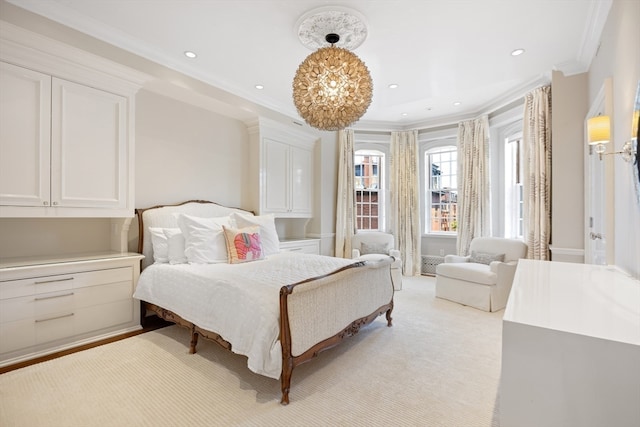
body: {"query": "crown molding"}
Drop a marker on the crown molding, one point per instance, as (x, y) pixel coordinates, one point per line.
(28, 49)
(596, 19)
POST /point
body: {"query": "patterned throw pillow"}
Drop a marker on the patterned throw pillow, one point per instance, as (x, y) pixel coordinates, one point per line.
(485, 257)
(243, 244)
(374, 248)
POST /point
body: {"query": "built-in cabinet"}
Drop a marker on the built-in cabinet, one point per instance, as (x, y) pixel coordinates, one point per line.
(62, 144)
(50, 304)
(66, 140)
(281, 170)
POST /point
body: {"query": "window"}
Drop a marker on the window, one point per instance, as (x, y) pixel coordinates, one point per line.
(369, 196)
(442, 190)
(513, 191)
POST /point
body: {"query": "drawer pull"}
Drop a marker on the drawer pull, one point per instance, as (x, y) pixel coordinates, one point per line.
(54, 318)
(295, 249)
(54, 280)
(54, 296)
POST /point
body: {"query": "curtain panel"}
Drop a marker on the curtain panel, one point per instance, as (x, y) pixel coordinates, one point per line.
(537, 173)
(474, 202)
(345, 203)
(405, 199)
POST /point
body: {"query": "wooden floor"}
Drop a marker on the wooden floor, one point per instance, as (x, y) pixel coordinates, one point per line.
(151, 323)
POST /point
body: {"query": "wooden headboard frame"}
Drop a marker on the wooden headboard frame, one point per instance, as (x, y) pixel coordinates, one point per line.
(142, 226)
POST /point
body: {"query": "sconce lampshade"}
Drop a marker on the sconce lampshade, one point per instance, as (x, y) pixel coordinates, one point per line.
(598, 130)
(332, 88)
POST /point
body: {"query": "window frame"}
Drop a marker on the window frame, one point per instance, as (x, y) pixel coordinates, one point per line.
(361, 150)
(510, 221)
(438, 142)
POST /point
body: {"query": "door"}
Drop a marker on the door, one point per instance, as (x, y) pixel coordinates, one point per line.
(598, 189)
(88, 147)
(596, 243)
(301, 175)
(276, 190)
(25, 135)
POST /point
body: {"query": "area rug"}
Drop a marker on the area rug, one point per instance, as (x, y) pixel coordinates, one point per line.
(439, 365)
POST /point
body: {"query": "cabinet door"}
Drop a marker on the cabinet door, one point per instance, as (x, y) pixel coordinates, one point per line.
(25, 102)
(275, 195)
(301, 178)
(88, 147)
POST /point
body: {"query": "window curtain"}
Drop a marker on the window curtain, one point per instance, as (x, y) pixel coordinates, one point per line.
(474, 207)
(537, 172)
(405, 199)
(345, 203)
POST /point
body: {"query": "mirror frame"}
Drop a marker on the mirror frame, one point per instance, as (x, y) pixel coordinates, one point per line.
(635, 137)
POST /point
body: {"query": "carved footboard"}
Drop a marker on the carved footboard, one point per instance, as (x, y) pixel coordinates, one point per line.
(317, 314)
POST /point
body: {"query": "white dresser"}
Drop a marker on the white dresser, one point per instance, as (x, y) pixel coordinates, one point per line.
(51, 304)
(571, 347)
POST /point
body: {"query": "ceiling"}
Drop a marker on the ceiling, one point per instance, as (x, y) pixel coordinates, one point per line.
(438, 52)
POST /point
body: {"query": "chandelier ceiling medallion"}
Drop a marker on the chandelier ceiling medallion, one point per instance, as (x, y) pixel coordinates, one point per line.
(332, 87)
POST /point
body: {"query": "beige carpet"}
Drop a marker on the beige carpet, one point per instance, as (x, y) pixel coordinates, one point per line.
(439, 365)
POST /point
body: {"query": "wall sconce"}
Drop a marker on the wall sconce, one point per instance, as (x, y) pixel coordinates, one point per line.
(599, 134)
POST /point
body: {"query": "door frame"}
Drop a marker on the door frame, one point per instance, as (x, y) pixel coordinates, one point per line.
(602, 104)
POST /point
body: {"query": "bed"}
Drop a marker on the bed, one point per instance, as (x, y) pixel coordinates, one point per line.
(277, 308)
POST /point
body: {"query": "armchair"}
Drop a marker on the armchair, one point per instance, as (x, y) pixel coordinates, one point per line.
(372, 245)
(483, 279)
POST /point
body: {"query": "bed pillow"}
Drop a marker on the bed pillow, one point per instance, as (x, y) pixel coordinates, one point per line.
(204, 239)
(485, 257)
(159, 244)
(175, 246)
(243, 244)
(268, 233)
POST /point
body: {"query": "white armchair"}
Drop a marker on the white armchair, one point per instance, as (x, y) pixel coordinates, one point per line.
(483, 279)
(372, 245)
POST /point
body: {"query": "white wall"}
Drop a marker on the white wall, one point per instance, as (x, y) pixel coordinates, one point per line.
(569, 108)
(185, 152)
(619, 58)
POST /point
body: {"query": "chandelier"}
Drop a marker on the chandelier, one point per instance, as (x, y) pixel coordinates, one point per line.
(332, 87)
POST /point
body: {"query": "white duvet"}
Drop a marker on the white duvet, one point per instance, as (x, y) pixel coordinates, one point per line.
(238, 301)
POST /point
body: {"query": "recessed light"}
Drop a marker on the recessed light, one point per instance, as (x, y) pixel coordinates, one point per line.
(457, 103)
(190, 54)
(393, 86)
(259, 87)
(428, 108)
(404, 114)
(517, 52)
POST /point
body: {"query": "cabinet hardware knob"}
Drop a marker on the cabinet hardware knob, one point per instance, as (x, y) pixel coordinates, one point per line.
(45, 203)
(55, 203)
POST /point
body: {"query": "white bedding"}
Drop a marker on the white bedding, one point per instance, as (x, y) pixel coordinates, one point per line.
(238, 301)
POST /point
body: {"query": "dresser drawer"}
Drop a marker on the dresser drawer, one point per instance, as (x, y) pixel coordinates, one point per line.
(24, 333)
(303, 246)
(36, 307)
(46, 284)
(104, 316)
(29, 332)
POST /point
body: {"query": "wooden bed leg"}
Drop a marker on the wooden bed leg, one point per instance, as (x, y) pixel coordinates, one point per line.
(285, 380)
(194, 342)
(389, 319)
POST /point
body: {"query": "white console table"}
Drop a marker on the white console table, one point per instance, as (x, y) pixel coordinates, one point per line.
(571, 347)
